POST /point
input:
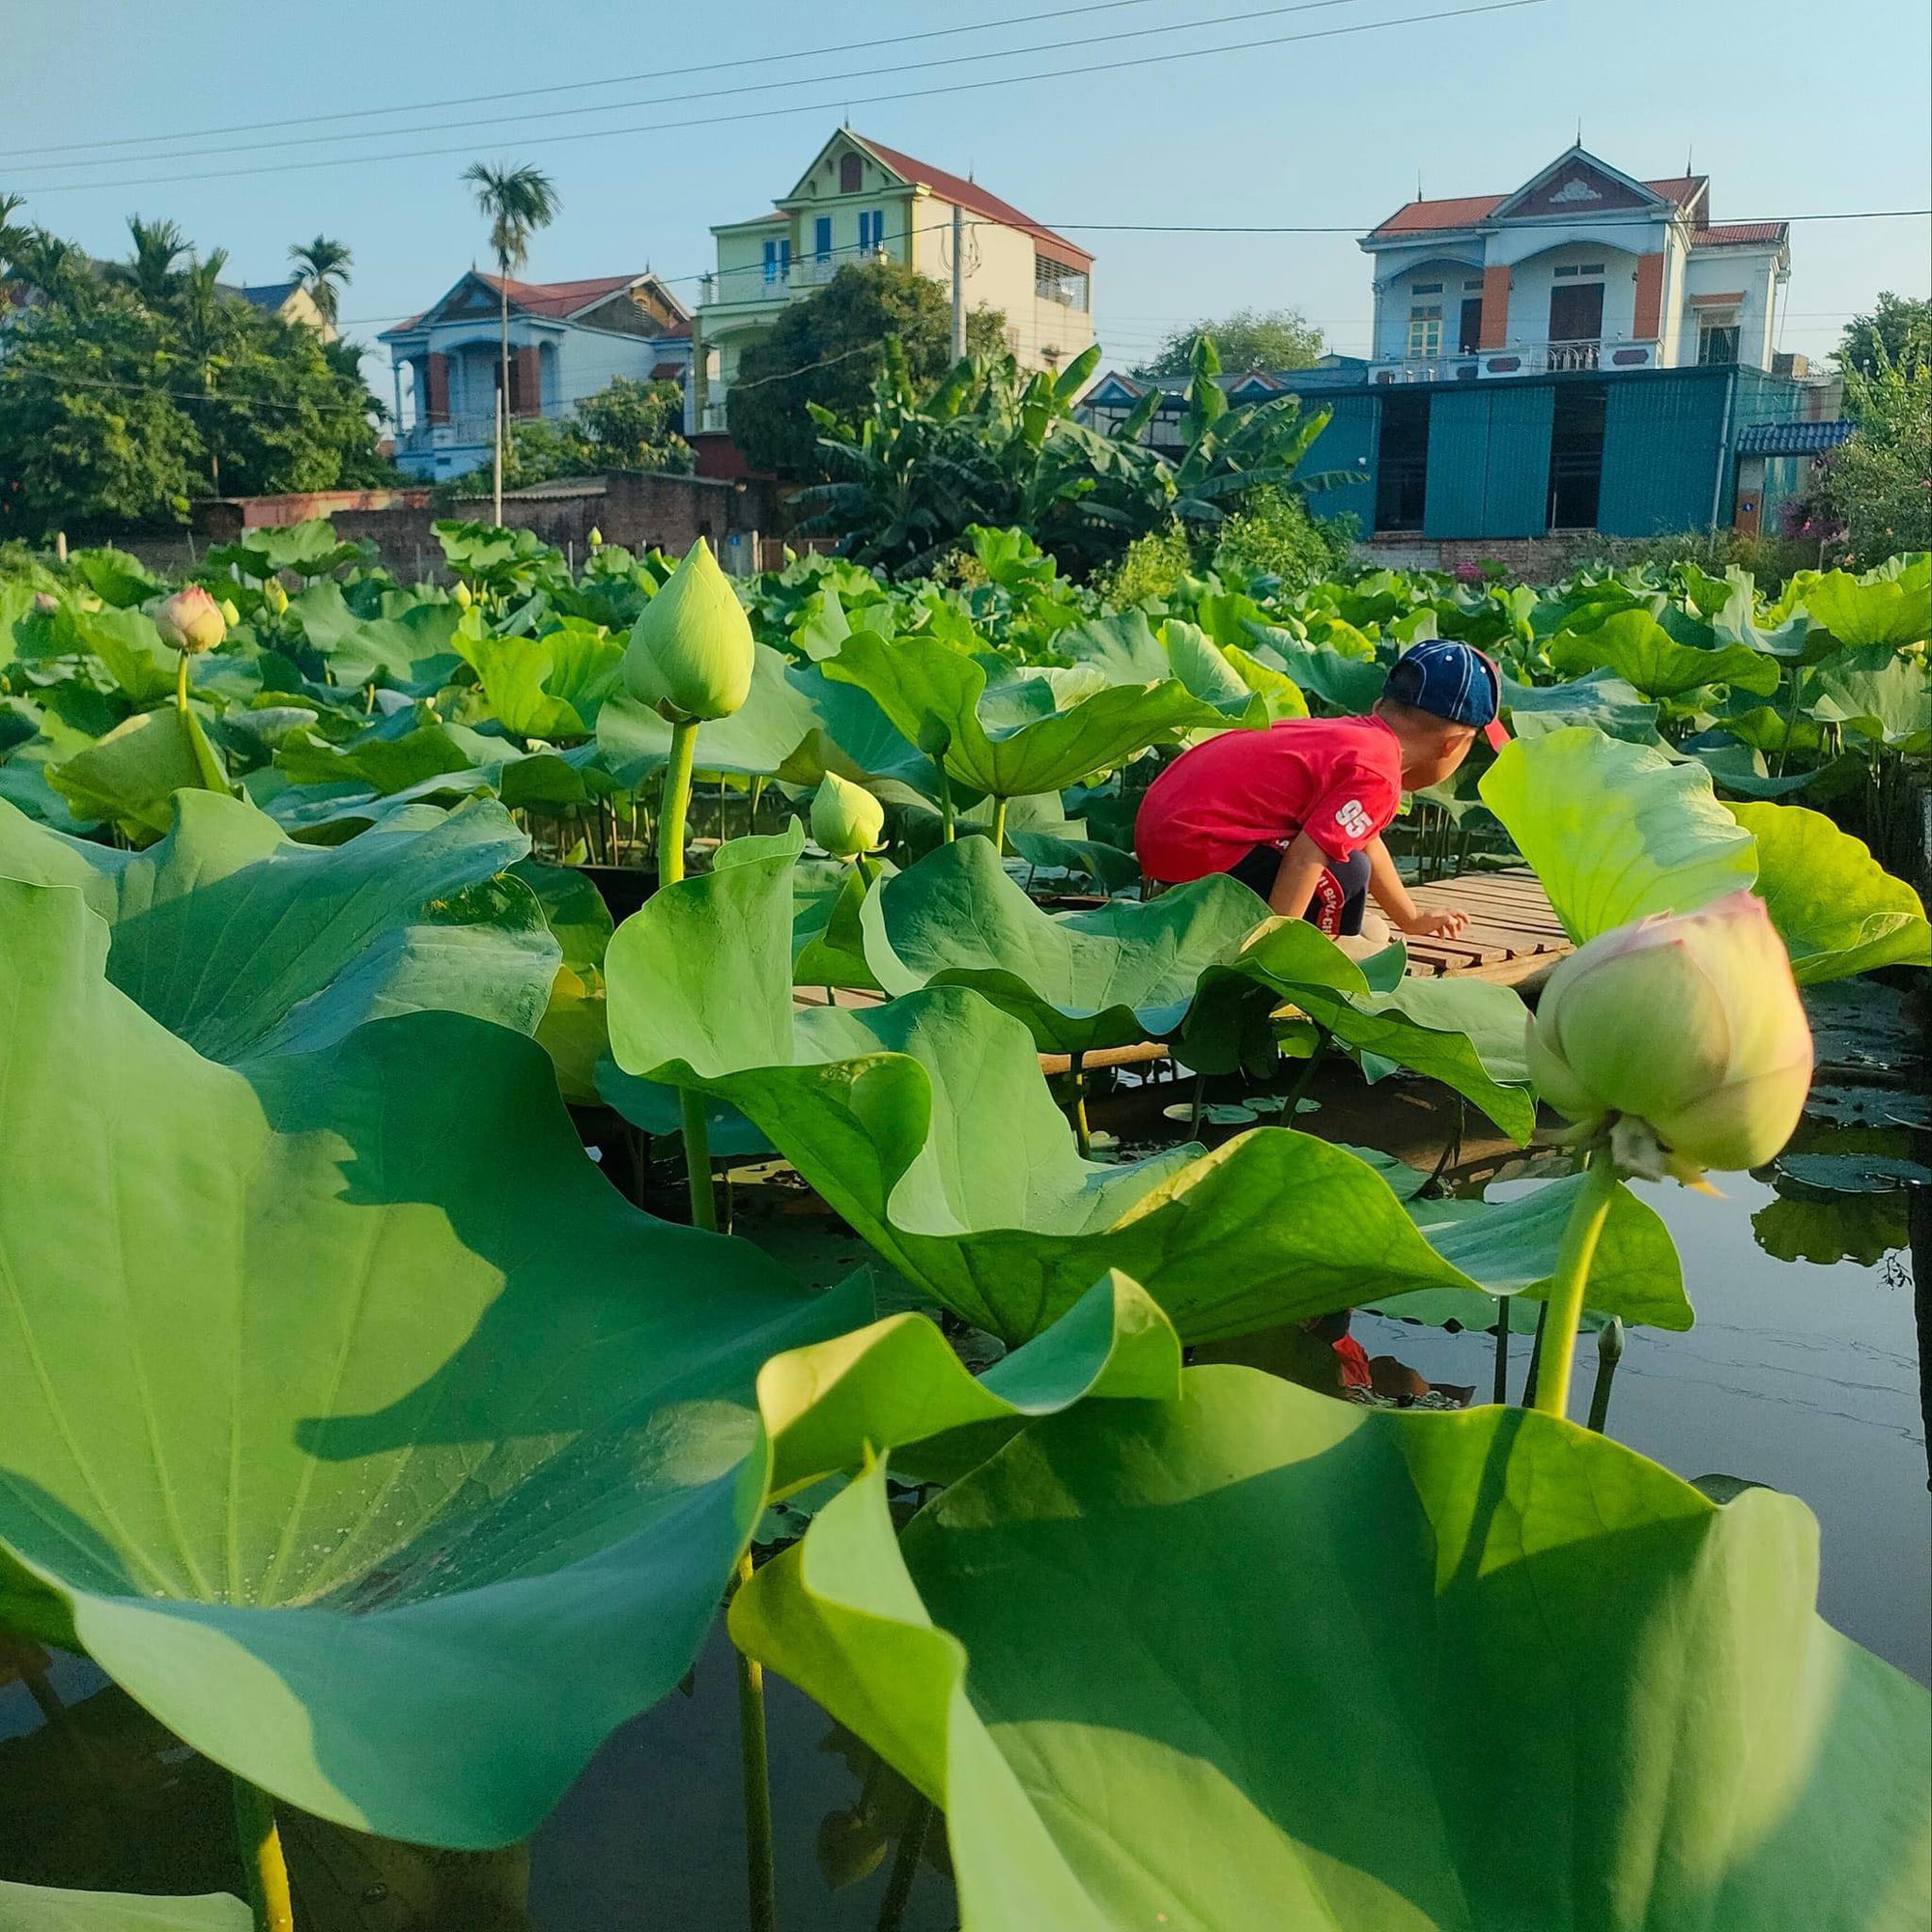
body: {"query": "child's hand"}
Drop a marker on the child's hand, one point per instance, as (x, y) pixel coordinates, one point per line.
(1434, 923)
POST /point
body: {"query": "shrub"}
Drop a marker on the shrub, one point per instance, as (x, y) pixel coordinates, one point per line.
(1153, 566)
(1274, 536)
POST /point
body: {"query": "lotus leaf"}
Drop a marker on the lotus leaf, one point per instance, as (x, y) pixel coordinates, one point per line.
(243, 943)
(1878, 693)
(413, 646)
(1079, 980)
(33, 1907)
(130, 774)
(927, 1125)
(1641, 652)
(131, 651)
(308, 549)
(1889, 606)
(753, 741)
(1838, 911)
(349, 1418)
(1349, 684)
(1022, 744)
(547, 686)
(1142, 1659)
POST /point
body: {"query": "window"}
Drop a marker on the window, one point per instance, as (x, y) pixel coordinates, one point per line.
(1426, 289)
(1582, 268)
(778, 260)
(1475, 283)
(1057, 281)
(851, 176)
(1717, 339)
(872, 229)
(822, 238)
(1425, 330)
(1470, 331)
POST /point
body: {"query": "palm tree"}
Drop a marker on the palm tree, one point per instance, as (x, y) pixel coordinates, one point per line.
(322, 267)
(13, 237)
(153, 269)
(519, 201)
(199, 302)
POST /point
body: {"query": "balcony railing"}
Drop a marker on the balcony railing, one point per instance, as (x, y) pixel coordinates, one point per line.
(462, 431)
(1523, 358)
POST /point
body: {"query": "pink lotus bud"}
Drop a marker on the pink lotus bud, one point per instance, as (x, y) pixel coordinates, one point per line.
(45, 602)
(190, 620)
(1691, 1024)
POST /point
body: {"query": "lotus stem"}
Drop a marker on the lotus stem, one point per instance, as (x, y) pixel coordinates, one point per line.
(905, 1868)
(1200, 1095)
(181, 685)
(1076, 1071)
(698, 1160)
(1000, 827)
(1535, 1356)
(1610, 1352)
(1500, 1390)
(947, 830)
(1307, 1077)
(676, 801)
(262, 1855)
(1581, 1237)
(761, 1868)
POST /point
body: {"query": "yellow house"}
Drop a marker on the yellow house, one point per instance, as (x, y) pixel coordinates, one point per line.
(861, 200)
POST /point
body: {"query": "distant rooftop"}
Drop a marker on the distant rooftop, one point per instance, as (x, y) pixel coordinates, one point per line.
(968, 194)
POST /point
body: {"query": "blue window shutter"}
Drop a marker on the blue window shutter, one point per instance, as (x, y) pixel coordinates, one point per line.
(822, 238)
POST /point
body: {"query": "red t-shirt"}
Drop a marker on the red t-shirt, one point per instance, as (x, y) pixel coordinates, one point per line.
(1337, 779)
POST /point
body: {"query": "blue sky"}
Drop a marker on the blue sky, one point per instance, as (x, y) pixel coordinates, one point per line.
(1789, 109)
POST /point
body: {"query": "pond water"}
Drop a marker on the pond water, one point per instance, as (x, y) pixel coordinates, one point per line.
(1801, 1373)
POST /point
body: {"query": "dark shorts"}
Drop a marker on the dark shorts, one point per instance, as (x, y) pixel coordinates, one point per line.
(1341, 891)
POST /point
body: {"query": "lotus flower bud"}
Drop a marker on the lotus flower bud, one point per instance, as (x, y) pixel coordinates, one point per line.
(274, 596)
(190, 620)
(1687, 1031)
(229, 613)
(690, 652)
(45, 602)
(462, 597)
(596, 538)
(846, 819)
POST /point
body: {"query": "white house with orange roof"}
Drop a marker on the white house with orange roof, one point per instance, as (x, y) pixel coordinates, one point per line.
(861, 200)
(568, 340)
(1581, 267)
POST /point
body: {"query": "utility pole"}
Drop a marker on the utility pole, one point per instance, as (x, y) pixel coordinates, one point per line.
(958, 282)
(496, 491)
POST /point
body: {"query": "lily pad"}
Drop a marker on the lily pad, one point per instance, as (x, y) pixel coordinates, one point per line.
(35, 1908)
(1141, 1658)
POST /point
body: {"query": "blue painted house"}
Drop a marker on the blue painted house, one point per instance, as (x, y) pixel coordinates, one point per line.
(568, 340)
(1587, 353)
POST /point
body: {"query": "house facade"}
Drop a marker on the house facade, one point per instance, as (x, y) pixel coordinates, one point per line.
(568, 340)
(1589, 353)
(860, 200)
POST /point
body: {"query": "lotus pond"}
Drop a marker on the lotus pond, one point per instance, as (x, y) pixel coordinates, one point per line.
(414, 1513)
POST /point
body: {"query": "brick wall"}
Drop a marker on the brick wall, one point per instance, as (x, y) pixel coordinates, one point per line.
(1533, 559)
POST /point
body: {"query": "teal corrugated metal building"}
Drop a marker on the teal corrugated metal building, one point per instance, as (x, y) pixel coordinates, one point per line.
(1644, 451)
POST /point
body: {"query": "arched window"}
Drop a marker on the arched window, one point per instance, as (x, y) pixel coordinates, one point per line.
(851, 174)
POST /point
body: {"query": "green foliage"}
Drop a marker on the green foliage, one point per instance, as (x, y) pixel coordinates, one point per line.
(1897, 334)
(829, 350)
(1273, 535)
(122, 398)
(626, 425)
(1150, 569)
(1281, 338)
(1878, 484)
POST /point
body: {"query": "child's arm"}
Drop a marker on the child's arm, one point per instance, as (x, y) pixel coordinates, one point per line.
(1392, 896)
(1301, 865)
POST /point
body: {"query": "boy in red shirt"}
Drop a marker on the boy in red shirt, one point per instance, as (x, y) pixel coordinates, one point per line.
(1297, 811)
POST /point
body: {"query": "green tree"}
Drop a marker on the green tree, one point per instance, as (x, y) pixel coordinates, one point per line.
(1898, 331)
(518, 202)
(634, 425)
(1281, 338)
(1878, 485)
(322, 267)
(830, 349)
(118, 407)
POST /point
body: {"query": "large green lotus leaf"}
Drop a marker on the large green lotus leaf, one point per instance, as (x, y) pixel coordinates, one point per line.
(1741, 768)
(898, 1382)
(348, 1417)
(753, 742)
(1601, 699)
(129, 650)
(1836, 909)
(1877, 693)
(406, 648)
(548, 687)
(927, 1125)
(130, 774)
(1345, 684)
(1891, 605)
(35, 1908)
(1641, 652)
(1615, 832)
(1258, 1658)
(926, 688)
(242, 942)
(1080, 980)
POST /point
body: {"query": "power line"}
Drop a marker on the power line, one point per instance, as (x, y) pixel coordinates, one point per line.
(702, 94)
(836, 104)
(870, 45)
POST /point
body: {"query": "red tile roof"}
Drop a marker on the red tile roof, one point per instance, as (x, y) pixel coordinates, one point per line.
(1739, 235)
(558, 299)
(1465, 211)
(970, 196)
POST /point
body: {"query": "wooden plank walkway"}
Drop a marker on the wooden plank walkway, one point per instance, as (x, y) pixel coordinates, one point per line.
(1513, 939)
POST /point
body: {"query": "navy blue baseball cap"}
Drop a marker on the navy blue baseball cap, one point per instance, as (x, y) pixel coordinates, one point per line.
(1451, 681)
